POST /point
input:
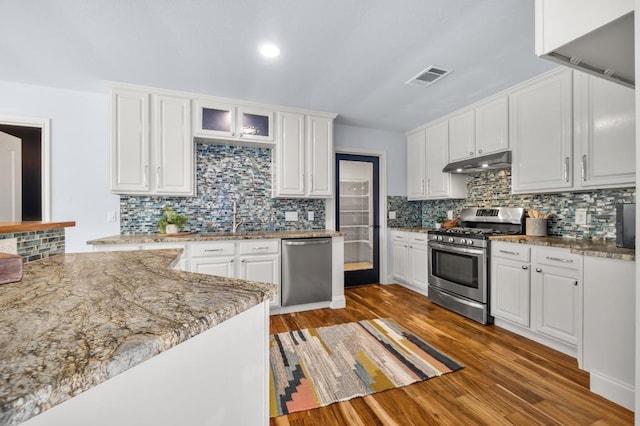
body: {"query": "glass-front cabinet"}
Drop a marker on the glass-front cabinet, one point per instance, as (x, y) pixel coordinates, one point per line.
(227, 121)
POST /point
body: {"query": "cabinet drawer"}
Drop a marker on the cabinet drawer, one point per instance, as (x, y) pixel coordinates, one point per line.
(418, 238)
(260, 247)
(212, 249)
(512, 251)
(399, 236)
(558, 257)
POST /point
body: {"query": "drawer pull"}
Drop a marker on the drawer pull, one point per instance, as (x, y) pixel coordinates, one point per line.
(559, 259)
(525, 267)
(209, 250)
(538, 270)
(513, 253)
(261, 248)
(419, 239)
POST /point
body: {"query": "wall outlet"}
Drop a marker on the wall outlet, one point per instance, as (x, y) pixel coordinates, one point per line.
(449, 214)
(112, 216)
(392, 215)
(310, 216)
(290, 216)
(581, 216)
(9, 245)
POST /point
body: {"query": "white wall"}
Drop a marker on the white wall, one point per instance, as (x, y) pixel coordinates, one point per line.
(393, 143)
(79, 155)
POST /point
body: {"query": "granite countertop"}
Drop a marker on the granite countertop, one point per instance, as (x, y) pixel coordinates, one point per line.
(594, 248)
(214, 236)
(76, 320)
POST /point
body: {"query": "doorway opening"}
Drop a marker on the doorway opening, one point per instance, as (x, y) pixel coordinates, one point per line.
(357, 214)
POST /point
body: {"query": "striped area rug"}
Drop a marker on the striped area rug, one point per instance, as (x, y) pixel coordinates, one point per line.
(316, 367)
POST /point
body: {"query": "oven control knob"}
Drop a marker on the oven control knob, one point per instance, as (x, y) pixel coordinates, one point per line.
(434, 237)
(451, 239)
(469, 242)
(463, 241)
(439, 237)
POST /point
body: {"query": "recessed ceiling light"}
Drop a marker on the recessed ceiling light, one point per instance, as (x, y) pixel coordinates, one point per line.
(269, 50)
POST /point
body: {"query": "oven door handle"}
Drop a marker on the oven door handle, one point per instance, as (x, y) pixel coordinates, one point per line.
(454, 249)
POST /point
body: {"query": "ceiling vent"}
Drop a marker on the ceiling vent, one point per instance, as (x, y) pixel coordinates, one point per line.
(428, 76)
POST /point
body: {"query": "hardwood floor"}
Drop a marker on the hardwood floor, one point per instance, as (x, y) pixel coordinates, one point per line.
(507, 379)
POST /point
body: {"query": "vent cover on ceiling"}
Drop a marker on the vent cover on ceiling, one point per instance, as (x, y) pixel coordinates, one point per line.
(428, 76)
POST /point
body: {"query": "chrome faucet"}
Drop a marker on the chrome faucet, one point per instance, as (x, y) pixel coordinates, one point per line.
(236, 224)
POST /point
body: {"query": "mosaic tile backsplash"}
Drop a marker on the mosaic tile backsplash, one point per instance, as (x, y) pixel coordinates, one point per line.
(224, 174)
(36, 245)
(408, 213)
(493, 189)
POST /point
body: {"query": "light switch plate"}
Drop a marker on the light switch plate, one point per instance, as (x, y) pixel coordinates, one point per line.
(449, 214)
(581, 216)
(9, 245)
(310, 216)
(290, 216)
(392, 215)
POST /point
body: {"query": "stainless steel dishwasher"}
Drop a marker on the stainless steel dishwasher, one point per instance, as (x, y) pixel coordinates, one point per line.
(306, 271)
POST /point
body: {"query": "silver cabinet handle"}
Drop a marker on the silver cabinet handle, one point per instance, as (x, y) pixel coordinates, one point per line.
(209, 250)
(584, 167)
(243, 261)
(538, 270)
(559, 259)
(470, 153)
(513, 253)
(422, 186)
(428, 186)
(261, 248)
(405, 246)
(566, 169)
(145, 176)
(410, 246)
(525, 267)
(576, 283)
(158, 176)
(419, 239)
(479, 151)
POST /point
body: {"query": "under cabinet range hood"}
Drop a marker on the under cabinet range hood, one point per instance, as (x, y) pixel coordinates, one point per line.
(500, 160)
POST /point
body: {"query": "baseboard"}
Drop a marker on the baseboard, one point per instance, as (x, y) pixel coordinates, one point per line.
(612, 389)
(299, 308)
(338, 302)
(423, 291)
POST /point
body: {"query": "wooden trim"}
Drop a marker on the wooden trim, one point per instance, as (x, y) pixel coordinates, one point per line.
(10, 227)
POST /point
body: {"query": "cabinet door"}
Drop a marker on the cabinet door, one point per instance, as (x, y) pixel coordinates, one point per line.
(254, 124)
(400, 253)
(129, 141)
(289, 155)
(264, 269)
(462, 136)
(437, 148)
(492, 126)
(319, 156)
(510, 290)
(540, 133)
(173, 145)
(220, 266)
(416, 159)
(557, 303)
(212, 119)
(605, 133)
(418, 260)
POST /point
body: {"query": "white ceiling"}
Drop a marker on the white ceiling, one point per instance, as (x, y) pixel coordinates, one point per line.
(350, 57)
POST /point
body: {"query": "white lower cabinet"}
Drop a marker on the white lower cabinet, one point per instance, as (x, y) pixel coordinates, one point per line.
(536, 292)
(608, 352)
(219, 266)
(409, 259)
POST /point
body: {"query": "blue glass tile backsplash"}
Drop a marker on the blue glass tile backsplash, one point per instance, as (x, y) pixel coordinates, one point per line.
(224, 174)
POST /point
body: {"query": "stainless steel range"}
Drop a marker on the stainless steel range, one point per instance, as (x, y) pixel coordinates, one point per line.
(459, 259)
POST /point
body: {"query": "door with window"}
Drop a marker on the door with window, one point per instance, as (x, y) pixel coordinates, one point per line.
(357, 215)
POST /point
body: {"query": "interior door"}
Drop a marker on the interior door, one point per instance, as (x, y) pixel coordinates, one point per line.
(10, 178)
(357, 214)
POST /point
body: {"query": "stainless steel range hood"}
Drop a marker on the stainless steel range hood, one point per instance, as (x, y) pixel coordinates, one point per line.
(501, 160)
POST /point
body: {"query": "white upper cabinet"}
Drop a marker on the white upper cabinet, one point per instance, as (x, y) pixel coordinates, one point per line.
(492, 126)
(439, 184)
(303, 157)
(226, 121)
(604, 120)
(151, 144)
(480, 131)
(416, 164)
(462, 136)
(540, 133)
(173, 145)
(320, 156)
(594, 36)
(129, 141)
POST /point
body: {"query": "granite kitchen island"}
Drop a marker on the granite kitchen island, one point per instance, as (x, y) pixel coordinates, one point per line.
(123, 338)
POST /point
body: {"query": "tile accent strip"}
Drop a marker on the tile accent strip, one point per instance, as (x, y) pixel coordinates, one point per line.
(34, 245)
(224, 173)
